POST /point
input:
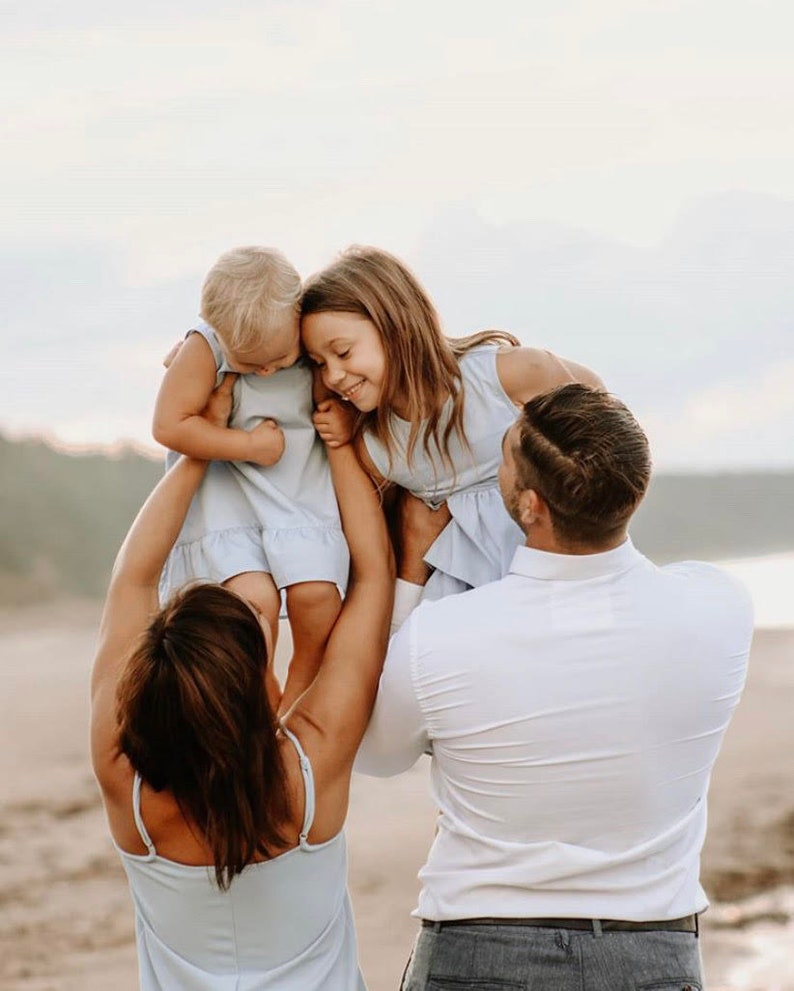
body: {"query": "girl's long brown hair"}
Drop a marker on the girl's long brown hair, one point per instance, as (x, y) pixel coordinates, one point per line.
(194, 719)
(422, 368)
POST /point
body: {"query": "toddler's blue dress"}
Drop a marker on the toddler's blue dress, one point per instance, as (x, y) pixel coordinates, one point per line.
(284, 519)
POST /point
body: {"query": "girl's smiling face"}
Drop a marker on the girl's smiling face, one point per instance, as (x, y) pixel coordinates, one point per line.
(349, 351)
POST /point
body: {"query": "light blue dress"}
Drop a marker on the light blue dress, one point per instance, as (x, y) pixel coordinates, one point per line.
(284, 519)
(283, 924)
(477, 545)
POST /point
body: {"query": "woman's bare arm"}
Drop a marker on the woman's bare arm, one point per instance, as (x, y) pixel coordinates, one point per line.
(179, 425)
(335, 710)
(527, 372)
(132, 598)
(132, 601)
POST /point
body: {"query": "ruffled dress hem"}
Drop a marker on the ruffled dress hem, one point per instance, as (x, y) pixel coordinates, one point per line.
(290, 556)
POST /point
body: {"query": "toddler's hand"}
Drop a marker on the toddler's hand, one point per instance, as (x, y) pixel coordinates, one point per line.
(334, 422)
(267, 443)
(172, 354)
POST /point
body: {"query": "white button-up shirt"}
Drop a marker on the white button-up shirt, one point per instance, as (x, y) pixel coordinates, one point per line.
(575, 709)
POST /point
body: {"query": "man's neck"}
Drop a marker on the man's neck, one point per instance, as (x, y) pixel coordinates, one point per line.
(540, 539)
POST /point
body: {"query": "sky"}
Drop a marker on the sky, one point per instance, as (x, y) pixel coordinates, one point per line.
(611, 181)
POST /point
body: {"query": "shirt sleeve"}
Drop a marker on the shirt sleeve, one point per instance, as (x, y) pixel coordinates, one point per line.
(397, 734)
(406, 599)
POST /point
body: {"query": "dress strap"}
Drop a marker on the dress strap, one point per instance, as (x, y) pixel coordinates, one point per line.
(136, 812)
(308, 784)
(221, 365)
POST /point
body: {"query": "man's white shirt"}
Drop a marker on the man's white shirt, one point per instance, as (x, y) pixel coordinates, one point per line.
(575, 709)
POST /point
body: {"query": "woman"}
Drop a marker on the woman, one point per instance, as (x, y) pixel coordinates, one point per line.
(229, 822)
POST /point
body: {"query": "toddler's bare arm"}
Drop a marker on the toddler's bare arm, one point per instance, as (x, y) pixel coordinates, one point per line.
(178, 424)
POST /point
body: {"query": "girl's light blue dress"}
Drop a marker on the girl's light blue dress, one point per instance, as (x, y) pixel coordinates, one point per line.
(478, 544)
(284, 519)
(284, 924)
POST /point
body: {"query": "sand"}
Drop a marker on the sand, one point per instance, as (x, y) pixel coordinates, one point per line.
(65, 915)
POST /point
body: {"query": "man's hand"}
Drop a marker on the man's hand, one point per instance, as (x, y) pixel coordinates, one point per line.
(334, 422)
(417, 528)
(219, 405)
(267, 443)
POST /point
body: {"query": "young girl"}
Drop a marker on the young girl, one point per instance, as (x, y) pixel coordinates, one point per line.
(432, 411)
(265, 517)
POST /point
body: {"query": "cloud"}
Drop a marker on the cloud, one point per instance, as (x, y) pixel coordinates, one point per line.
(739, 423)
(694, 335)
(485, 144)
(154, 127)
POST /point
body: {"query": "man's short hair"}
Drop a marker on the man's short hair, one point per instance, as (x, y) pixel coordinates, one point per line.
(584, 453)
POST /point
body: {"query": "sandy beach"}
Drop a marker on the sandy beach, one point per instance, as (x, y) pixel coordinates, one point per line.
(66, 919)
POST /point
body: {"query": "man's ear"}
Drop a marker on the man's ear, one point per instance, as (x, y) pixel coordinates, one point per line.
(531, 507)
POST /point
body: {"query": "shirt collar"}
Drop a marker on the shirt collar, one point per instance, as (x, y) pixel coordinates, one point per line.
(532, 563)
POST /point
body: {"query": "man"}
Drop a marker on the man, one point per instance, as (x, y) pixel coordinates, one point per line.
(574, 710)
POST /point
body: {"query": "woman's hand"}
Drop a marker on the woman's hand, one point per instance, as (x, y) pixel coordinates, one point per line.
(219, 405)
(334, 422)
(266, 440)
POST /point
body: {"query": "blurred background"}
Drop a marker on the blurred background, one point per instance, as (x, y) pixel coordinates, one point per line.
(611, 181)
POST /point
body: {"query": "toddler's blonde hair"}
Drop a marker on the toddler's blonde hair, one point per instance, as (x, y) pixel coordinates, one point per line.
(248, 293)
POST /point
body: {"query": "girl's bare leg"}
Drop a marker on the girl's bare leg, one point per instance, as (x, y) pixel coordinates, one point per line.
(312, 608)
(258, 588)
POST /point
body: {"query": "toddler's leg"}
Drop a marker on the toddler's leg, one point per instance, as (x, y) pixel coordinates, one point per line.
(312, 608)
(258, 588)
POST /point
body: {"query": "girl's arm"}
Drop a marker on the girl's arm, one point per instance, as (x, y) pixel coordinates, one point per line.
(527, 372)
(178, 424)
(335, 710)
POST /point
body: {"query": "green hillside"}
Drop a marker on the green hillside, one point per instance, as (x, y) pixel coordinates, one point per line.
(63, 516)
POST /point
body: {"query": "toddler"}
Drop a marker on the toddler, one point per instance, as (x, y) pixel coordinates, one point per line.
(265, 518)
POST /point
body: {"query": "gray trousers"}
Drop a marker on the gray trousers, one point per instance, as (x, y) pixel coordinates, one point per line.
(525, 958)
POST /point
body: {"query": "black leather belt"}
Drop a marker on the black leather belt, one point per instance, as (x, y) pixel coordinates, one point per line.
(689, 924)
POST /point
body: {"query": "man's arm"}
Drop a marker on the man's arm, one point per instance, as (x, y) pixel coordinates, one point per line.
(397, 734)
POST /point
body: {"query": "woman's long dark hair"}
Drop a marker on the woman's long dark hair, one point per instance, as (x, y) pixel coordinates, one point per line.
(194, 719)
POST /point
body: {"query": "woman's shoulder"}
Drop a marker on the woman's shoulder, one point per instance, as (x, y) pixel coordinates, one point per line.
(316, 773)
